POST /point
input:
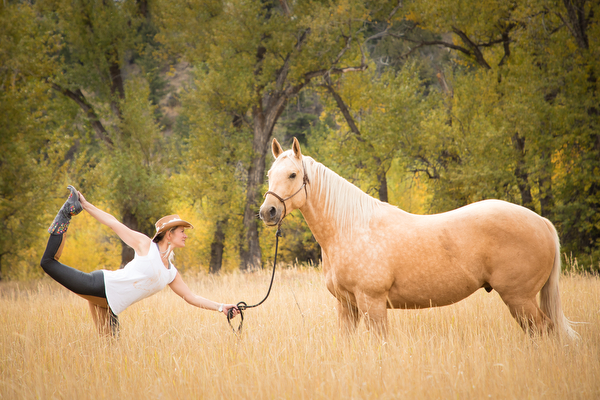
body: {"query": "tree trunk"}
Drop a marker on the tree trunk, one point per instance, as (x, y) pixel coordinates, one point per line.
(545, 183)
(143, 8)
(578, 21)
(216, 248)
(383, 188)
(546, 197)
(521, 172)
(250, 253)
(265, 115)
(117, 88)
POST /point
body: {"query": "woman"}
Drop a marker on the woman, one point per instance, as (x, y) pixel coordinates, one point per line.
(111, 292)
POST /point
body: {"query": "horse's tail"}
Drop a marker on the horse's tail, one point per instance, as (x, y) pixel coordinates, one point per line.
(550, 295)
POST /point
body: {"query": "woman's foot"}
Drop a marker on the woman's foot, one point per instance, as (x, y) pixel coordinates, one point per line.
(71, 207)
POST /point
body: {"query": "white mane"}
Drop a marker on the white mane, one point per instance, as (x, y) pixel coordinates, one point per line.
(348, 205)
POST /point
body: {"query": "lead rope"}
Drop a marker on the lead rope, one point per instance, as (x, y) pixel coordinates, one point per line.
(241, 306)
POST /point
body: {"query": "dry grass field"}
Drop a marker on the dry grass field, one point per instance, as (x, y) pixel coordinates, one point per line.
(290, 347)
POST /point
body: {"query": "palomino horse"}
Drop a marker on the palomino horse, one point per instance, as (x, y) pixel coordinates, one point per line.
(376, 256)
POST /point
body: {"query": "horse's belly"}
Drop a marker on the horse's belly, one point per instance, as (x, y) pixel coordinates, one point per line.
(427, 292)
(423, 302)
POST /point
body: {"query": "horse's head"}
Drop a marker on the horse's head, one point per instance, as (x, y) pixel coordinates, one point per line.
(287, 184)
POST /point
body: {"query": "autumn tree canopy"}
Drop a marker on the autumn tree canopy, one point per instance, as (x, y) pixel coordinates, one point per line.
(154, 107)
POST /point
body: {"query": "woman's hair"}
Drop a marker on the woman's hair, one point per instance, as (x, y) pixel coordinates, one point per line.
(161, 235)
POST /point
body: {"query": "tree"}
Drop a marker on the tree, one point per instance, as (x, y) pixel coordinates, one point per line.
(96, 70)
(379, 114)
(254, 57)
(216, 151)
(33, 139)
(532, 68)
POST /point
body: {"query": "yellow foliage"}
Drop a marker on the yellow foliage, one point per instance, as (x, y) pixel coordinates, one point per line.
(408, 192)
(90, 245)
(412, 16)
(197, 245)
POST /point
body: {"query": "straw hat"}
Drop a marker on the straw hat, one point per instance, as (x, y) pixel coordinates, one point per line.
(168, 222)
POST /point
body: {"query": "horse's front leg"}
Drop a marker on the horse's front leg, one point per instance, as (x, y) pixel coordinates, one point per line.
(348, 316)
(374, 308)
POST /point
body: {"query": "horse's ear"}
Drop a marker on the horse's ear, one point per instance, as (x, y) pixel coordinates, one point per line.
(276, 148)
(296, 149)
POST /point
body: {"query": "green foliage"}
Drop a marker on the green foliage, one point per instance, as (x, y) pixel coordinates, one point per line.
(460, 102)
(387, 108)
(524, 110)
(298, 245)
(242, 46)
(216, 158)
(96, 37)
(34, 140)
(252, 58)
(136, 167)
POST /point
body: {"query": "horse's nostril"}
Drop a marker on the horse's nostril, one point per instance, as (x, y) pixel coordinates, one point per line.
(272, 211)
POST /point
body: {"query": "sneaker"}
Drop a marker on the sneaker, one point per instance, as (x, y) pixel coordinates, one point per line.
(71, 207)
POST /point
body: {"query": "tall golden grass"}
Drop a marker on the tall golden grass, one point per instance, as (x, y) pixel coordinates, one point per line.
(290, 348)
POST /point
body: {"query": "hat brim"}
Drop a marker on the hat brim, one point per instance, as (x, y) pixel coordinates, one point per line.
(171, 225)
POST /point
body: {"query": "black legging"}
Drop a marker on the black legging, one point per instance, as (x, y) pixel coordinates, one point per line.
(82, 283)
(88, 284)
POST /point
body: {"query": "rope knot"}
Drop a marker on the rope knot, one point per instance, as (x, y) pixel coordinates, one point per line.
(241, 306)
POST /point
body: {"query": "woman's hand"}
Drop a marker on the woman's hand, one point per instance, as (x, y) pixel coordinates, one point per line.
(82, 199)
(227, 307)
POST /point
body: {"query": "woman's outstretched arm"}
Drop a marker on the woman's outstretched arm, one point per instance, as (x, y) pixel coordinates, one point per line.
(182, 289)
(138, 241)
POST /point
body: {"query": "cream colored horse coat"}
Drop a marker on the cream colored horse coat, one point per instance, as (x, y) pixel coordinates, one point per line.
(377, 257)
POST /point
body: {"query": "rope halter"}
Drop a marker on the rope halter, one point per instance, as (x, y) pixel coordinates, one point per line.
(305, 181)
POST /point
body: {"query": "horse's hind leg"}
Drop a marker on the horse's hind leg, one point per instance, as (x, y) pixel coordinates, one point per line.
(348, 316)
(529, 315)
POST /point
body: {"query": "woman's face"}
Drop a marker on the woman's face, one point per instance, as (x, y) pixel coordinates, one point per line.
(177, 237)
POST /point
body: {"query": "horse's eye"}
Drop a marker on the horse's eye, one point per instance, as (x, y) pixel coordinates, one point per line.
(293, 175)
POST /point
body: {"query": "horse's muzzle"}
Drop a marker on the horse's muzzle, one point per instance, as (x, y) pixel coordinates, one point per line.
(271, 215)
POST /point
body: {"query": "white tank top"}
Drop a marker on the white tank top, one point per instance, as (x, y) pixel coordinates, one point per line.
(140, 278)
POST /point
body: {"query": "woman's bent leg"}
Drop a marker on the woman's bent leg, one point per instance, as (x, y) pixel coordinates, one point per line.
(107, 323)
(88, 285)
(113, 321)
(99, 316)
(61, 247)
(79, 282)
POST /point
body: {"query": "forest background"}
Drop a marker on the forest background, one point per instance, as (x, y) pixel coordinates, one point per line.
(154, 107)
